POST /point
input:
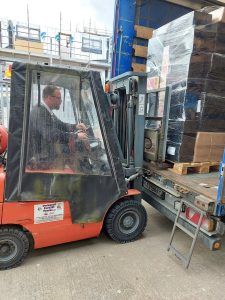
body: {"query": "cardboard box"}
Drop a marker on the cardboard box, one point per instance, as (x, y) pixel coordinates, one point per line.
(209, 146)
(205, 147)
(182, 151)
(218, 15)
(210, 38)
(204, 64)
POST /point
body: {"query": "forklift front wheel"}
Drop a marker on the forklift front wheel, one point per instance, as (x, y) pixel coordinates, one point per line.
(14, 246)
(126, 221)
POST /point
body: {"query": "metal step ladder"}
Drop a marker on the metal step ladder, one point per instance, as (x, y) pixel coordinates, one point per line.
(185, 259)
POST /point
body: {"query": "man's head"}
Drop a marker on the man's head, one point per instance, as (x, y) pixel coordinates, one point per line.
(52, 96)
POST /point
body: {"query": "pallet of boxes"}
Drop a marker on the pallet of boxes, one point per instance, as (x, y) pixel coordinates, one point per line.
(189, 55)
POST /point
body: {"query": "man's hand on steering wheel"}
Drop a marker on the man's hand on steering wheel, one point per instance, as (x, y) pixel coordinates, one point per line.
(81, 126)
(83, 137)
(79, 136)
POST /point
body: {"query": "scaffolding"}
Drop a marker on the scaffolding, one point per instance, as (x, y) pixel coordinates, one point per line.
(87, 48)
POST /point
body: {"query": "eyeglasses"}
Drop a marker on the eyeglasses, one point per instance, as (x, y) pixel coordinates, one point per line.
(59, 98)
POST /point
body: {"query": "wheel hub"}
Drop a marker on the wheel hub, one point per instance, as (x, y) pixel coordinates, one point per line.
(5, 249)
(8, 250)
(129, 222)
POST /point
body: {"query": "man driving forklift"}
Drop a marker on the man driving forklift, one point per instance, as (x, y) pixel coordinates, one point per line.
(47, 131)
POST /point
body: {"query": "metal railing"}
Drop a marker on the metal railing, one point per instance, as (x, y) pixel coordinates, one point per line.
(89, 49)
(54, 43)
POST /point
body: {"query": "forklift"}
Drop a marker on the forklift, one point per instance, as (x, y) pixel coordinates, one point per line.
(87, 189)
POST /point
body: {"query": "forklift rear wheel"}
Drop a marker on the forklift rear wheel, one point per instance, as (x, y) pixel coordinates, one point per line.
(126, 221)
(14, 246)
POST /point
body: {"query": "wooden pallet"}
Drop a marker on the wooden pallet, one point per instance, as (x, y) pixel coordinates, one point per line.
(138, 67)
(202, 167)
(140, 51)
(156, 165)
(143, 32)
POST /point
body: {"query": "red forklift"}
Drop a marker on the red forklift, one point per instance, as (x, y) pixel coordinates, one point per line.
(86, 189)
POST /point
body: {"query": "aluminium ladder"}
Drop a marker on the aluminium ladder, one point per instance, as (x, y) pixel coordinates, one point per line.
(185, 259)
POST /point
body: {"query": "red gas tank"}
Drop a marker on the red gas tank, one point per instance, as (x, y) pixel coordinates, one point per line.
(3, 139)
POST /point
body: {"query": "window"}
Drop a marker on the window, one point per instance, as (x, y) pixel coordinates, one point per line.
(92, 45)
(23, 32)
(60, 104)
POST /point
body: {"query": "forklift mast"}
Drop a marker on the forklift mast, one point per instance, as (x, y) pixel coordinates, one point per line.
(140, 118)
(129, 118)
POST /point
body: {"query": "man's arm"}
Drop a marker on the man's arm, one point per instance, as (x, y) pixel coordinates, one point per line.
(62, 126)
(43, 123)
(51, 129)
(69, 127)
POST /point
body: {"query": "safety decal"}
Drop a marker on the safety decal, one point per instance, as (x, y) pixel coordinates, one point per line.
(141, 107)
(48, 212)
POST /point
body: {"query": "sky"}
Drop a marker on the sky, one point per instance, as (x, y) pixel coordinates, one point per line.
(46, 13)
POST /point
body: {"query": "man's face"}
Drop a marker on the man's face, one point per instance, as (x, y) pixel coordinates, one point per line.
(56, 99)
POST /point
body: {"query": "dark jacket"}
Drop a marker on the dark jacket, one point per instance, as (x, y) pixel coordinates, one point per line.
(46, 134)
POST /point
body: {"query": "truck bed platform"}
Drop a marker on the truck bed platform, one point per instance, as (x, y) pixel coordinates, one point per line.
(202, 184)
(163, 188)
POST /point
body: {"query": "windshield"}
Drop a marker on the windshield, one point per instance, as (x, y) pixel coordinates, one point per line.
(64, 135)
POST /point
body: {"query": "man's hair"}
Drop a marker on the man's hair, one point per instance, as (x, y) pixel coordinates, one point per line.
(49, 91)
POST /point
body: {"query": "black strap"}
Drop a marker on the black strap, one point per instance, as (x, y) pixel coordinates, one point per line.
(64, 98)
(39, 88)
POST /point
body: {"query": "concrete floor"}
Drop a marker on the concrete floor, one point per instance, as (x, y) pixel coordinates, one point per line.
(101, 269)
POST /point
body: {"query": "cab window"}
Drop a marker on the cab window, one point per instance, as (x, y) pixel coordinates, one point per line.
(64, 134)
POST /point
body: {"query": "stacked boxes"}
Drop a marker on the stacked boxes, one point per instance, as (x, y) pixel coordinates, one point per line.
(189, 54)
(140, 47)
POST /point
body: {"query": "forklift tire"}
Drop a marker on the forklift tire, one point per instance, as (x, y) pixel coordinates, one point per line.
(14, 246)
(126, 221)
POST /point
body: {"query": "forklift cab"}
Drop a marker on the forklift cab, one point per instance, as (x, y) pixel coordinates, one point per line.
(60, 187)
(59, 105)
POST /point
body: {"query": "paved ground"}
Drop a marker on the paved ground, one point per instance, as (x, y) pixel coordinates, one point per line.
(101, 269)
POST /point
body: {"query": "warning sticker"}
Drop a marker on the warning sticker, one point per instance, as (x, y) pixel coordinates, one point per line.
(49, 212)
(171, 150)
(141, 107)
(152, 83)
